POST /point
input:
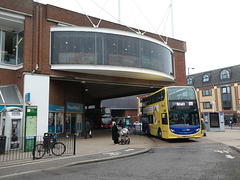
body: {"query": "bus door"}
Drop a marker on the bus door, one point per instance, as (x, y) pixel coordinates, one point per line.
(164, 125)
(153, 128)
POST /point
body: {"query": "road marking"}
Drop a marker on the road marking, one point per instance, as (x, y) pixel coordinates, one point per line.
(129, 150)
(112, 153)
(226, 152)
(229, 156)
(222, 151)
(218, 151)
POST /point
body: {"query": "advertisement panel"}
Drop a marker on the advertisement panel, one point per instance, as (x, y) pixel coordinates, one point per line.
(74, 113)
(30, 127)
(55, 119)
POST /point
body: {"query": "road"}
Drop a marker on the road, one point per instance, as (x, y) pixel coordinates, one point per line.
(194, 159)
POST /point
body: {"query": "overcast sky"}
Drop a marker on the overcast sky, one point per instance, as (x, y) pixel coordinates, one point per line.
(209, 27)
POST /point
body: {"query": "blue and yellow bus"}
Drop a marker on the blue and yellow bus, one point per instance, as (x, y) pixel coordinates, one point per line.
(172, 113)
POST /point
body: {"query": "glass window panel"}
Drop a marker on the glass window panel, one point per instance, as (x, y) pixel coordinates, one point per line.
(205, 78)
(1, 100)
(224, 90)
(226, 98)
(225, 74)
(10, 95)
(207, 92)
(109, 49)
(8, 55)
(100, 49)
(207, 105)
(189, 81)
(20, 47)
(1, 50)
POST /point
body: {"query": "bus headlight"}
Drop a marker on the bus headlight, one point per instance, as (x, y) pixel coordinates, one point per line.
(197, 129)
(172, 130)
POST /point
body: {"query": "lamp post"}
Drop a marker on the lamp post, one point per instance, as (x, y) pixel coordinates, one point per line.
(189, 70)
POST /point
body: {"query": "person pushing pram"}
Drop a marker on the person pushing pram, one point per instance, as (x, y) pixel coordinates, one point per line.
(124, 139)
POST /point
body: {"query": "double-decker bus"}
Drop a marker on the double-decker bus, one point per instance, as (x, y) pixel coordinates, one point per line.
(172, 113)
(100, 118)
(106, 117)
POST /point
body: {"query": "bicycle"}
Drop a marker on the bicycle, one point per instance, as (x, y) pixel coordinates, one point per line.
(49, 143)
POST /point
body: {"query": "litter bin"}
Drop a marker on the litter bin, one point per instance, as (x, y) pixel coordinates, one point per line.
(2, 144)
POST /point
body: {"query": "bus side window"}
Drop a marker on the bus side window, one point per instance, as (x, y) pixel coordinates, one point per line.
(160, 96)
(164, 118)
(151, 119)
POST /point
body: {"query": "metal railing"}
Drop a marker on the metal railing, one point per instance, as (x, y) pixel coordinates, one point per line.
(22, 148)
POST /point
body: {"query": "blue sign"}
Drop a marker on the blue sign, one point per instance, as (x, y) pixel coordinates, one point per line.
(56, 108)
(27, 97)
(74, 107)
(2, 106)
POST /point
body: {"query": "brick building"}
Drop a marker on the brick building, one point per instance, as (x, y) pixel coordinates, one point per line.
(218, 91)
(65, 64)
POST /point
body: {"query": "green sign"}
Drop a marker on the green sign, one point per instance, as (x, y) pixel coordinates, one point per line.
(127, 121)
(30, 127)
(28, 144)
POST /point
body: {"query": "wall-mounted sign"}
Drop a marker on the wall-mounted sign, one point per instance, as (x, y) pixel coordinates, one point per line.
(27, 98)
(74, 107)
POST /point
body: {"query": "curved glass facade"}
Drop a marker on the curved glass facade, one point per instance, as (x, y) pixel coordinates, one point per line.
(97, 48)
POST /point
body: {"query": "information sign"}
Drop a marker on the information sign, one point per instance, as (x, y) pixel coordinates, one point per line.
(30, 127)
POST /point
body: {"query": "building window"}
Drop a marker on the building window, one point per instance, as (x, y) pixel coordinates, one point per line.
(207, 105)
(207, 92)
(10, 95)
(226, 97)
(11, 44)
(189, 81)
(225, 74)
(206, 78)
(78, 47)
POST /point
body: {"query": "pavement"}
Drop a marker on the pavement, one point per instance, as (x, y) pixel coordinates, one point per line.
(101, 148)
(229, 137)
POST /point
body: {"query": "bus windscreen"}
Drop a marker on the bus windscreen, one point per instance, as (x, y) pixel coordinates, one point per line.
(183, 118)
(181, 93)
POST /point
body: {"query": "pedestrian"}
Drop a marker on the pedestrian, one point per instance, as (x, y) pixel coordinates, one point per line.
(88, 130)
(115, 133)
(203, 127)
(230, 124)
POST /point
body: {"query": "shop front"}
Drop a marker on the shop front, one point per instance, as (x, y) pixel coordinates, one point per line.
(74, 113)
(56, 119)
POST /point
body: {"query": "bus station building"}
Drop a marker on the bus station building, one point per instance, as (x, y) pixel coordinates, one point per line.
(61, 62)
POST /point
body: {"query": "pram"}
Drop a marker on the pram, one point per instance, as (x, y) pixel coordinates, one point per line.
(124, 136)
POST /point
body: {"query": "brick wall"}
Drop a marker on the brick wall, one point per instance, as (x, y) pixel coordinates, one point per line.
(22, 6)
(180, 71)
(37, 25)
(7, 77)
(62, 92)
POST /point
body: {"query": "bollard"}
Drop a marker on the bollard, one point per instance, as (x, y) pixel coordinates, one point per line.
(34, 147)
(74, 145)
(140, 130)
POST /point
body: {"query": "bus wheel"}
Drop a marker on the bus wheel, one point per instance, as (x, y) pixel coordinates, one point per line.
(159, 133)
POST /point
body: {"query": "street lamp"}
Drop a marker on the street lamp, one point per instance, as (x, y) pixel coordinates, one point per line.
(189, 70)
